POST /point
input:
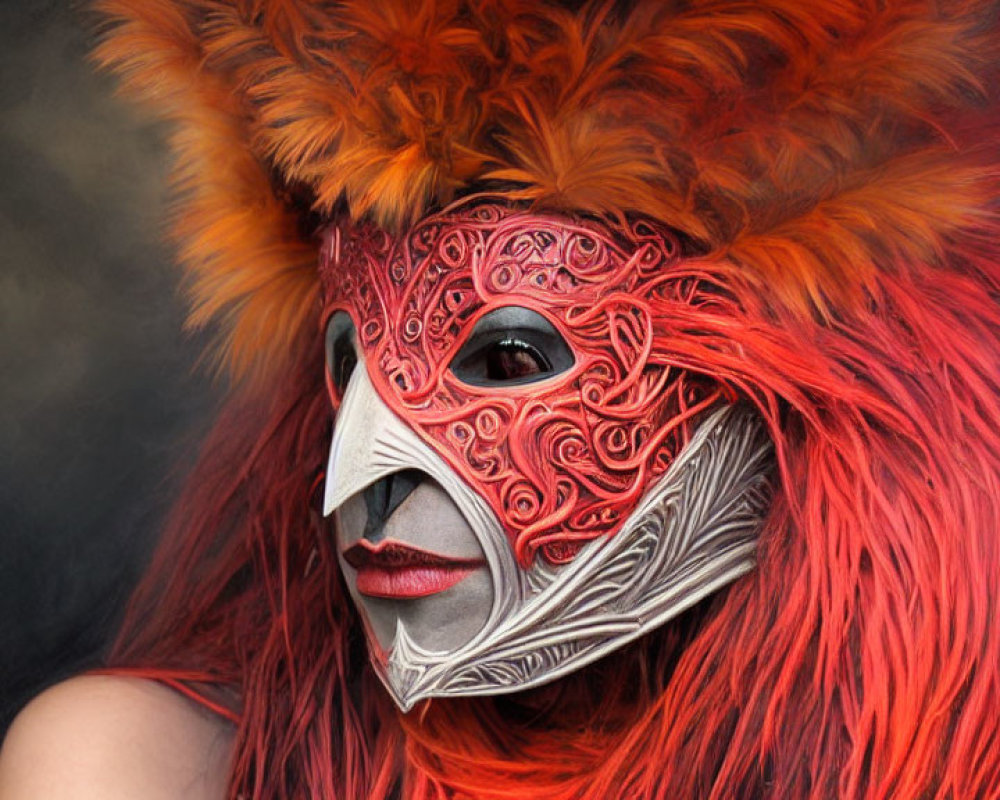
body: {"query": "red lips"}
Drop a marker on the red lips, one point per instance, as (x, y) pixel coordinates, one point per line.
(397, 571)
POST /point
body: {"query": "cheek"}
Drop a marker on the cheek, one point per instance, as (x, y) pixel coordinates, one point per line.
(431, 520)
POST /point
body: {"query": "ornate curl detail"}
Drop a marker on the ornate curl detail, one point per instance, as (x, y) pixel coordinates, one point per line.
(560, 463)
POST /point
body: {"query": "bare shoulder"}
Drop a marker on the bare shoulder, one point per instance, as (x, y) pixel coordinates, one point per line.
(113, 737)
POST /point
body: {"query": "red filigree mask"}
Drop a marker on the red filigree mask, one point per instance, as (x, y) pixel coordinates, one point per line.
(530, 369)
(561, 453)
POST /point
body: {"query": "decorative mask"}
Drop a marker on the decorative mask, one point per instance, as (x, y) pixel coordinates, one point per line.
(525, 476)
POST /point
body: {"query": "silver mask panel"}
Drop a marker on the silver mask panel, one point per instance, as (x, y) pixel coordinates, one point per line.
(692, 533)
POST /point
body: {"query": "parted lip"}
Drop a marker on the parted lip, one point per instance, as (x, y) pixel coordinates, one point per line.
(392, 554)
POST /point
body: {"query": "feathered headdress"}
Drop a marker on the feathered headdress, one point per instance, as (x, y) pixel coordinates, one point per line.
(835, 162)
(810, 143)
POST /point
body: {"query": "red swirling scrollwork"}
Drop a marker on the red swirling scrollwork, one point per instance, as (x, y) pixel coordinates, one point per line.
(561, 461)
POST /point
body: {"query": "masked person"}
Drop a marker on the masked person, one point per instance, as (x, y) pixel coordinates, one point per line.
(615, 411)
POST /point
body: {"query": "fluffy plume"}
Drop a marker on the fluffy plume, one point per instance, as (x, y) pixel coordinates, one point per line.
(777, 133)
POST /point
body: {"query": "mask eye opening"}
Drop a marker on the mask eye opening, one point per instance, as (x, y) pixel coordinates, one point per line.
(341, 353)
(511, 346)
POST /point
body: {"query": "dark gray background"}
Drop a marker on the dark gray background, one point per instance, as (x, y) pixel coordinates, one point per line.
(100, 406)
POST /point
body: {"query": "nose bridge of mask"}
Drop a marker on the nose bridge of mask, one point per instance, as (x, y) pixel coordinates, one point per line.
(362, 451)
(371, 442)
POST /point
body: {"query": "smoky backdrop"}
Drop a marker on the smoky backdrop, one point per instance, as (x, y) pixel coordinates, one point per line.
(101, 408)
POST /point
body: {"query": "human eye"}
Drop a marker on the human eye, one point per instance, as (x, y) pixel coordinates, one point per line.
(511, 346)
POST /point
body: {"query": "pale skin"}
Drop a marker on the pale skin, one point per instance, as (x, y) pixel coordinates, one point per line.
(114, 738)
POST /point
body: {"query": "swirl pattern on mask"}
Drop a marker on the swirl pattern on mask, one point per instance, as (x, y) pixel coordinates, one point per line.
(564, 460)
